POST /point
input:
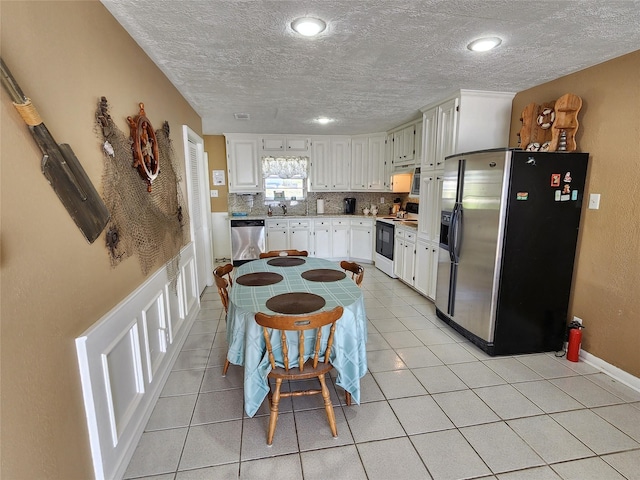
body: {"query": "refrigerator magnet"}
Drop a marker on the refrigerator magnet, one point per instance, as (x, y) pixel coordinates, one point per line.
(574, 195)
(522, 196)
(567, 177)
(566, 189)
(558, 195)
(555, 179)
(565, 198)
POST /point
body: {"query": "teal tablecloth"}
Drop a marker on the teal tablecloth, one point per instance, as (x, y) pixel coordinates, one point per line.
(244, 335)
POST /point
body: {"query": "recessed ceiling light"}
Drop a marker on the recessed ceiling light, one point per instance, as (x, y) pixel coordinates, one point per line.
(324, 120)
(484, 44)
(308, 26)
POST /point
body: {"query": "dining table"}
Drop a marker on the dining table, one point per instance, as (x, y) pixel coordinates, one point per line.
(294, 285)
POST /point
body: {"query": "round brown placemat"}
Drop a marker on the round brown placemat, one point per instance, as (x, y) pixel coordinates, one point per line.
(286, 261)
(259, 279)
(323, 275)
(296, 303)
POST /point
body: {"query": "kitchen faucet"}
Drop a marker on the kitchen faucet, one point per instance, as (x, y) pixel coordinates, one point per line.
(284, 208)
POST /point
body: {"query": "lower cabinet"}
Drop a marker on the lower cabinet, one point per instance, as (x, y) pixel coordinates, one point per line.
(340, 238)
(322, 239)
(404, 255)
(335, 238)
(426, 270)
(288, 234)
(362, 238)
(277, 235)
(300, 235)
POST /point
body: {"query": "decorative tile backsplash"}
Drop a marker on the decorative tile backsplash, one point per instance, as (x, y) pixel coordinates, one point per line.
(255, 205)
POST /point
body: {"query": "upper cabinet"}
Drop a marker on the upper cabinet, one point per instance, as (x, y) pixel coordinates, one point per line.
(242, 164)
(292, 144)
(406, 144)
(330, 164)
(470, 120)
(368, 162)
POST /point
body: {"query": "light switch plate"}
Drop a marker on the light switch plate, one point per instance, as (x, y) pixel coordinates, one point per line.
(594, 201)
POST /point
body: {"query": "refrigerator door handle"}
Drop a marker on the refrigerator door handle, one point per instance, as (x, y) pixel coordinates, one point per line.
(456, 222)
(452, 235)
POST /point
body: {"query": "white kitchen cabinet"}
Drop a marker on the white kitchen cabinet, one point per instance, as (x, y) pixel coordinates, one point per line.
(277, 234)
(424, 267)
(447, 125)
(361, 241)
(430, 205)
(280, 143)
(340, 238)
(404, 147)
(429, 138)
(404, 253)
(398, 253)
(408, 260)
(417, 145)
(292, 234)
(299, 235)
(377, 162)
(330, 164)
(359, 163)
(242, 164)
(341, 158)
(322, 236)
(368, 162)
(469, 120)
(388, 161)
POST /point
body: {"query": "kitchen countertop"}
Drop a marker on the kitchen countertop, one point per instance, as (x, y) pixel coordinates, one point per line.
(399, 223)
(293, 216)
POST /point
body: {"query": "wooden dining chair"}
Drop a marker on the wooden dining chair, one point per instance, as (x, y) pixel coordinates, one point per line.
(284, 253)
(223, 291)
(302, 370)
(225, 270)
(357, 271)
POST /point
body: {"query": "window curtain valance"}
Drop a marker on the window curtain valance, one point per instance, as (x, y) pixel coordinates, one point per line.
(285, 167)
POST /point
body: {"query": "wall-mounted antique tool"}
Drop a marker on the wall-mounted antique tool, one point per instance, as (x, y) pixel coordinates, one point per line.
(61, 167)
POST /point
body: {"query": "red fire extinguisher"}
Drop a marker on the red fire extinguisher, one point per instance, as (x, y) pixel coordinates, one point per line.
(575, 339)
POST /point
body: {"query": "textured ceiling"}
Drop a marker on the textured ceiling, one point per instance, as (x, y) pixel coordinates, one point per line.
(378, 62)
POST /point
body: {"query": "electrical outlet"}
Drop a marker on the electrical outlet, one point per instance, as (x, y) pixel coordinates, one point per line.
(577, 319)
(594, 201)
(381, 199)
(214, 193)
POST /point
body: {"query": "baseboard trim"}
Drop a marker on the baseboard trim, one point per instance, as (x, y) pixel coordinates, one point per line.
(611, 370)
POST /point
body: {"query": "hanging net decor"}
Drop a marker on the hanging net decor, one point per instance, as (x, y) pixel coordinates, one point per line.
(150, 224)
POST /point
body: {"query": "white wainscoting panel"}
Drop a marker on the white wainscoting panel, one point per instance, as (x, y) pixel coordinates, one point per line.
(126, 357)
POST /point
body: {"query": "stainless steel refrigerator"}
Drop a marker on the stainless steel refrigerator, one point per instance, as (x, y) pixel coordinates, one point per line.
(509, 228)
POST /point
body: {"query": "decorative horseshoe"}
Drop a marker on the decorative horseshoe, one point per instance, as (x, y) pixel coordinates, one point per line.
(145, 147)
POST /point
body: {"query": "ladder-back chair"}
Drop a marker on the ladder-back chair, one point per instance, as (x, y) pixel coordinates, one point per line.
(275, 327)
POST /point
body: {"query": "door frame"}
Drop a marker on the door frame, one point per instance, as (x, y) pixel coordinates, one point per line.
(189, 136)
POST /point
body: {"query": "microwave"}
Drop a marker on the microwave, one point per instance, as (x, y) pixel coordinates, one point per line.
(415, 183)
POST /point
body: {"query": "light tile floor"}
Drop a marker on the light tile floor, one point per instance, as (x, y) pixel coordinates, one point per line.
(434, 406)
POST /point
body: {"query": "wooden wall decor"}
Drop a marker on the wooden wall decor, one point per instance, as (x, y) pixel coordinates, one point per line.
(145, 147)
(543, 125)
(567, 108)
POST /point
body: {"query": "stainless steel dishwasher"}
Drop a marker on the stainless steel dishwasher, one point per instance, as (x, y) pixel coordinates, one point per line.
(247, 240)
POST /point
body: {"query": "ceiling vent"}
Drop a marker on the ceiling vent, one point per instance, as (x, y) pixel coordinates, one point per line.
(242, 116)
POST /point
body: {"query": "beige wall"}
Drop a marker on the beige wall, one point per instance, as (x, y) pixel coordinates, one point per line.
(607, 273)
(214, 145)
(54, 285)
